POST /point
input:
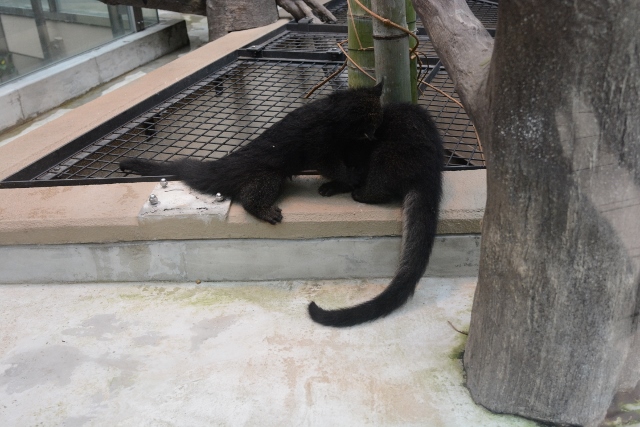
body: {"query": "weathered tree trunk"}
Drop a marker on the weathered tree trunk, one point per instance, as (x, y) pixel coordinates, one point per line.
(391, 51)
(224, 16)
(555, 322)
(312, 10)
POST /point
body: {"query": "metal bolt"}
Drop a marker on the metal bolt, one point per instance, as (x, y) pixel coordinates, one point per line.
(163, 183)
(153, 199)
(219, 197)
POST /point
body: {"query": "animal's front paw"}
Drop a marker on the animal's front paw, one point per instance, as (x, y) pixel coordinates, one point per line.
(272, 215)
(330, 188)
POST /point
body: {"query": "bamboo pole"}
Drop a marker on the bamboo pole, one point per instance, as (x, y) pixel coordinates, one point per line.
(360, 38)
(413, 61)
(391, 47)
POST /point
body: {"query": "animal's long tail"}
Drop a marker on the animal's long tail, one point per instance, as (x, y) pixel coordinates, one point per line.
(149, 168)
(197, 174)
(420, 218)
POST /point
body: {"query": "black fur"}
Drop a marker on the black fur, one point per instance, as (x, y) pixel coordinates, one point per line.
(313, 137)
(406, 163)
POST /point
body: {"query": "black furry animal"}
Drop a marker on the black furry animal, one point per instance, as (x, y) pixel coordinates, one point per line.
(406, 163)
(312, 137)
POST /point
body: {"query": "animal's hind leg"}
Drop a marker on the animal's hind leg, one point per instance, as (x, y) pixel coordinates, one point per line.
(258, 198)
(334, 187)
(375, 190)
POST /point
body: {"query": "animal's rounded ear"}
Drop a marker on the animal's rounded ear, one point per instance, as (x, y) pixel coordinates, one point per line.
(378, 87)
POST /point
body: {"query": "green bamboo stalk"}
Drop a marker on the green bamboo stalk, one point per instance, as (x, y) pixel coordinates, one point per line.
(360, 38)
(391, 48)
(413, 64)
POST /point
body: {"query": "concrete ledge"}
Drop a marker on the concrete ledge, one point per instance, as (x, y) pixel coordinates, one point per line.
(43, 90)
(110, 213)
(229, 259)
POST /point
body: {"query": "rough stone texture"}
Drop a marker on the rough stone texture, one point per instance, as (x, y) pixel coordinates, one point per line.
(234, 354)
(10, 107)
(465, 49)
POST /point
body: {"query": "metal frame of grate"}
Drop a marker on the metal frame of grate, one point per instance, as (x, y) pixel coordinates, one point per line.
(293, 43)
(228, 106)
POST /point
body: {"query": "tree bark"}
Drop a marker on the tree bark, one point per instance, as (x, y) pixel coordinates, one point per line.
(313, 10)
(555, 321)
(224, 16)
(465, 49)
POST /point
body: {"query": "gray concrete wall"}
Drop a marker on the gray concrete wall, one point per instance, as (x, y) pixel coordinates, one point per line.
(230, 259)
(43, 90)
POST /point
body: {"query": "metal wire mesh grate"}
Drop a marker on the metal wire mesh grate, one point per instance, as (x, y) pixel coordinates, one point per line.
(486, 12)
(206, 121)
(234, 104)
(297, 41)
(457, 131)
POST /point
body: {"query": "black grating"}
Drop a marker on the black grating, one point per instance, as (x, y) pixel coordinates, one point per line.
(295, 41)
(229, 104)
(486, 12)
(459, 136)
(208, 120)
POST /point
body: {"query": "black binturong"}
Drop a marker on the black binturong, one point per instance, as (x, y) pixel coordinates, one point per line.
(406, 163)
(312, 137)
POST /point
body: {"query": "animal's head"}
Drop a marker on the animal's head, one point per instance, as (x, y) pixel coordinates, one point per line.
(359, 110)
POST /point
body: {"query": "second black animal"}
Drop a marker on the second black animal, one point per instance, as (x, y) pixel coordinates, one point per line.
(406, 163)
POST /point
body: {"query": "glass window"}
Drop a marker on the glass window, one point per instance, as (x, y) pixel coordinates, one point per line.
(37, 33)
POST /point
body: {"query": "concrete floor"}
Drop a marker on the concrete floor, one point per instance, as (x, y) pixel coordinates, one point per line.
(229, 354)
(232, 354)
